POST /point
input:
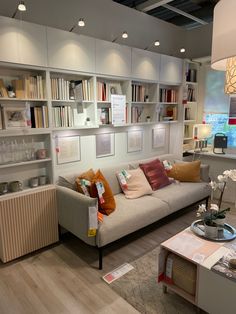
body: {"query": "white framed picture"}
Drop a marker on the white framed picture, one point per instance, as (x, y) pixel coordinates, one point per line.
(158, 137)
(134, 141)
(68, 149)
(105, 145)
(14, 117)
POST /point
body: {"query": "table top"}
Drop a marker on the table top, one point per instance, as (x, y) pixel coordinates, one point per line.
(197, 250)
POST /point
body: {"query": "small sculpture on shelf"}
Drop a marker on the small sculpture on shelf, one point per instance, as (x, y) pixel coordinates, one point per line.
(88, 121)
(10, 91)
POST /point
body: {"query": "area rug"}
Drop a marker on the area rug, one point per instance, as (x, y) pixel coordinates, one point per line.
(139, 287)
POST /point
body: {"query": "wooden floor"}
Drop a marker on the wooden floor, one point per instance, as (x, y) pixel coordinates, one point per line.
(65, 279)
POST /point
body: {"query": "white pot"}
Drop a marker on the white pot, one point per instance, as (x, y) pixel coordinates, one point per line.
(211, 231)
(220, 223)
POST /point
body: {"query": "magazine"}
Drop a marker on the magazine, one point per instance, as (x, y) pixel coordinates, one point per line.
(223, 268)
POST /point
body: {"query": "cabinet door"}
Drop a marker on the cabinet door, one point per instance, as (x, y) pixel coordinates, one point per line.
(8, 40)
(32, 44)
(70, 51)
(112, 59)
(171, 70)
(145, 64)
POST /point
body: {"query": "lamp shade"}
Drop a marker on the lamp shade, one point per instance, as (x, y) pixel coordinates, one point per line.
(224, 30)
(201, 131)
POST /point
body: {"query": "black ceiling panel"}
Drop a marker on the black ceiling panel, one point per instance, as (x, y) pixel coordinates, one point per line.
(202, 9)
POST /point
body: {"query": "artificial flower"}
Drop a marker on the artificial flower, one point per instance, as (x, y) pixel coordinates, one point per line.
(214, 207)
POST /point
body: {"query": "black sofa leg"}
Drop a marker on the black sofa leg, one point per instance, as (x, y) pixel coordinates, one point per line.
(100, 255)
(59, 232)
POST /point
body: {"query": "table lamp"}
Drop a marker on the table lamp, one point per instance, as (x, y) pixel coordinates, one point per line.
(201, 132)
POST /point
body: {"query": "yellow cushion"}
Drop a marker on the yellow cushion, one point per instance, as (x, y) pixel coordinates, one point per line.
(186, 171)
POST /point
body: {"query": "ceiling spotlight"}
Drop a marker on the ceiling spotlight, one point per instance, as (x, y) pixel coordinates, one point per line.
(125, 35)
(182, 50)
(21, 6)
(157, 43)
(81, 23)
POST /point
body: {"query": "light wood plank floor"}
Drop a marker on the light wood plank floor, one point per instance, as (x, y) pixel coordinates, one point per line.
(65, 279)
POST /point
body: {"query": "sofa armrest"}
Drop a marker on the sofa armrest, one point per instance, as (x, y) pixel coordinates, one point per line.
(73, 212)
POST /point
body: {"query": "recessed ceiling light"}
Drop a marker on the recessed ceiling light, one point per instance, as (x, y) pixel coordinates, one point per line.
(157, 43)
(182, 50)
(21, 6)
(81, 23)
(125, 35)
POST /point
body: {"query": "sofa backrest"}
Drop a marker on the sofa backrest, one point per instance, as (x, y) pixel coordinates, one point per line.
(135, 164)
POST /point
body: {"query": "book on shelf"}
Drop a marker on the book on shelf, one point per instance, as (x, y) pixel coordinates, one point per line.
(168, 95)
(191, 75)
(138, 92)
(3, 90)
(104, 115)
(191, 94)
(62, 116)
(39, 117)
(105, 90)
(136, 113)
(77, 90)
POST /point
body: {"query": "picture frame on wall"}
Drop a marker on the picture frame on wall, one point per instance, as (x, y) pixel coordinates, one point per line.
(158, 137)
(68, 149)
(134, 141)
(105, 145)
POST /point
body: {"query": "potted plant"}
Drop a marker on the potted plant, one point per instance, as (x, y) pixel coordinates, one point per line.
(213, 216)
(148, 118)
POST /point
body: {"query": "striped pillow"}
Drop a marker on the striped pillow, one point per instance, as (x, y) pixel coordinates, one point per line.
(155, 174)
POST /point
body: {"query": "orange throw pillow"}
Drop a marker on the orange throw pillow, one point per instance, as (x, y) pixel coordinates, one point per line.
(186, 171)
(88, 175)
(109, 204)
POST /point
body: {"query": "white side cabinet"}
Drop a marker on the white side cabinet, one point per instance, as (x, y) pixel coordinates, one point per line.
(113, 59)
(171, 70)
(145, 64)
(70, 51)
(22, 42)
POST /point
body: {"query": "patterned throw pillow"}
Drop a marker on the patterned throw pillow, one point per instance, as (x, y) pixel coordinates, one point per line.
(106, 200)
(134, 183)
(155, 174)
(88, 175)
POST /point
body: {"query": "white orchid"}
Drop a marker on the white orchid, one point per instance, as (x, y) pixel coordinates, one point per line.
(222, 178)
(214, 207)
(201, 210)
(230, 174)
(213, 185)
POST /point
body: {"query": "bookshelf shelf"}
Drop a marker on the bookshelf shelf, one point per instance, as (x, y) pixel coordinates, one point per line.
(24, 132)
(189, 121)
(23, 99)
(78, 127)
(23, 163)
(191, 83)
(168, 103)
(144, 102)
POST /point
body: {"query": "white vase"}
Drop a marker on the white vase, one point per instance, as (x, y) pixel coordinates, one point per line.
(220, 223)
(211, 231)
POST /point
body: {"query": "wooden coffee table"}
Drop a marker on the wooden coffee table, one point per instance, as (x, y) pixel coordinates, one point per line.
(214, 293)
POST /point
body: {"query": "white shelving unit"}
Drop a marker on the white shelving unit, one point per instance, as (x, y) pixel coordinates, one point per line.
(190, 110)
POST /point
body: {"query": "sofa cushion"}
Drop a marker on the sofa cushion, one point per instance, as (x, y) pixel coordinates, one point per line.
(67, 183)
(110, 175)
(129, 216)
(108, 205)
(135, 164)
(155, 174)
(185, 171)
(88, 175)
(136, 184)
(182, 194)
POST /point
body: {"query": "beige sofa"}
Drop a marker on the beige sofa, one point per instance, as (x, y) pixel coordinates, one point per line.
(130, 214)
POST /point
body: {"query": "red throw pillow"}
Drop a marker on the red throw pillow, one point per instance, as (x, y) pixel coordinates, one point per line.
(155, 174)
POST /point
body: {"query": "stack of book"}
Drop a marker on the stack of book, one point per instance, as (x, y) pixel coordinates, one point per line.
(105, 90)
(138, 92)
(191, 94)
(28, 87)
(39, 117)
(62, 116)
(81, 90)
(191, 75)
(168, 95)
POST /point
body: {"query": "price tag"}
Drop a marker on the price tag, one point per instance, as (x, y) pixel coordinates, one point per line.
(123, 181)
(92, 221)
(100, 190)
(169, 268)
